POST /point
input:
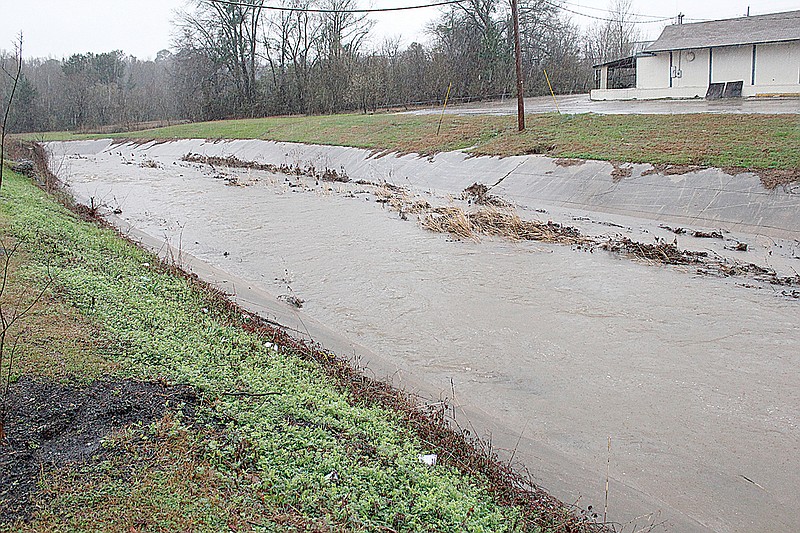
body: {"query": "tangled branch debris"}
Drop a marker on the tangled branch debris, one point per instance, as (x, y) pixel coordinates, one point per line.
(478, 194)
(329, 174)
(662, 252)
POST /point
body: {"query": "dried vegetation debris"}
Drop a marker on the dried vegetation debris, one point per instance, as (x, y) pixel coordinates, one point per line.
(292, 300)
(478, 194)
(310, 171)
(621, 171)
(564, 163)
(490, 215)
(496, 222)
(662, 252)
(150, 163)
(694, 233)
(489, 220)
(671, 170)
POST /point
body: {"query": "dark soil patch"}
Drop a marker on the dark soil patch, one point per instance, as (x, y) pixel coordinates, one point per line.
(564, 163)
(672, 170)
(773, 178)
(621, 171)
(51, 425)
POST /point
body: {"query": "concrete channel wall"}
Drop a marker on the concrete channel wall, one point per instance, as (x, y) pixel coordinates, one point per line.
(709, 198)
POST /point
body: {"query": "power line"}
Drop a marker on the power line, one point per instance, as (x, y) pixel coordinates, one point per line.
(659, 17)
(604, 19)
(442, 3)
(322, 10)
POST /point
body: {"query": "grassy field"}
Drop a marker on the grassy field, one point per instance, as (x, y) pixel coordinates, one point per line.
(739, 141)
(270, 431)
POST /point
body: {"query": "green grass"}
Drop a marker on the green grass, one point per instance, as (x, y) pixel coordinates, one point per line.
(156, 478)
(152, 324)
(742, 141)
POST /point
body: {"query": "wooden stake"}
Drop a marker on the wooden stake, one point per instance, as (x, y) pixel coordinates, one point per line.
(446, 97)
(551, 90)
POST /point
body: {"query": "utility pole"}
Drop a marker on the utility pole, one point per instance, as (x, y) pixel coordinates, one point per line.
(518, 55)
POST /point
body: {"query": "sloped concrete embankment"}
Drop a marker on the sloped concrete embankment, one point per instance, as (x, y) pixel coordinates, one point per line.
(709, 198)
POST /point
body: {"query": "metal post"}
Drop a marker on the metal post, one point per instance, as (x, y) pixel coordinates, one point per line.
(518, 54)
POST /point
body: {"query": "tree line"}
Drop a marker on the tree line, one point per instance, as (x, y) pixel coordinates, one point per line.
(243, 60)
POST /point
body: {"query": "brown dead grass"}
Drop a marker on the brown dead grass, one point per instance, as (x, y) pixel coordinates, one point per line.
(496, 222)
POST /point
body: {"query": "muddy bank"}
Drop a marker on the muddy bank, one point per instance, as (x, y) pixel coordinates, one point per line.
(548, 349)
(51, 425)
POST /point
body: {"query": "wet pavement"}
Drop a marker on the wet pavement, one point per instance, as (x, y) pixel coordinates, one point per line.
(549, 350)
(580, 103)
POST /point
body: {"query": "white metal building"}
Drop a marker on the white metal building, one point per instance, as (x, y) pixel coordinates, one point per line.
(748, 56)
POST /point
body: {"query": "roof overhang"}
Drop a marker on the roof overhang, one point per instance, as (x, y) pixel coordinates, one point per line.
(653, 51)
(618, 63)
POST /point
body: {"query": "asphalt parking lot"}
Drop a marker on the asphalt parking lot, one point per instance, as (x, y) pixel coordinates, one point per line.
(580, 103)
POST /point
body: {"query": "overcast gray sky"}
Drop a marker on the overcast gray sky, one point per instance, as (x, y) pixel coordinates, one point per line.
(59, 28)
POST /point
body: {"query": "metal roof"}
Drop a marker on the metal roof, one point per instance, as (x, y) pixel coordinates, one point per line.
(775, 27)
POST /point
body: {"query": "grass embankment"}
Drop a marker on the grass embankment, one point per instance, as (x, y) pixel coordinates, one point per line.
(280, 444)
(726, 141)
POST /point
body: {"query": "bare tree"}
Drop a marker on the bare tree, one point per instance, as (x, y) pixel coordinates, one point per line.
(290, 44)
(342, 35)
(616, 38)
(238, 59)
(14, 74)
(229, 34)
(12, 311)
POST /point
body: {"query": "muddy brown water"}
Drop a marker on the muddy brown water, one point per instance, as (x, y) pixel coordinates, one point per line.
(550, 351)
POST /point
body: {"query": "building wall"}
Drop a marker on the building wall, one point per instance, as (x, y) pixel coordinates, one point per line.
(732, 63)
(692, 65)
(689, 68)
(777, 72)
(778, 64)
(652, 72)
